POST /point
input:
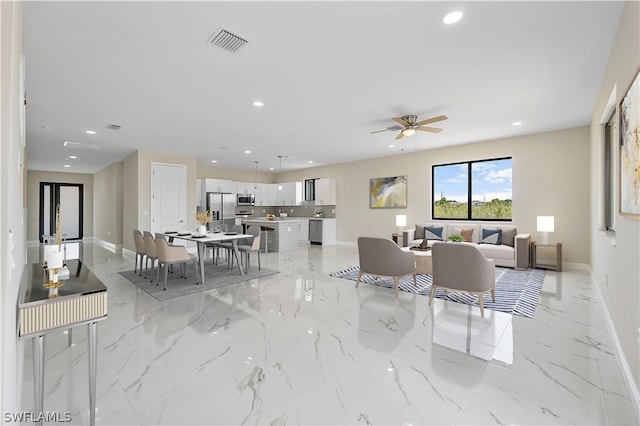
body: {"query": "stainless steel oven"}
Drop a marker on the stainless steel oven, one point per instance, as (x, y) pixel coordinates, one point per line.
(245, 200)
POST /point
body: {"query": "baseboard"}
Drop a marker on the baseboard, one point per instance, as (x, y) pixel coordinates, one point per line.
(128, 253)
(346, 243)
(622, 360)
(573, 266)
(115, 248)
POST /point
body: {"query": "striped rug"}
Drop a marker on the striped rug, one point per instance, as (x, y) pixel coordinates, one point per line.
(517, 292)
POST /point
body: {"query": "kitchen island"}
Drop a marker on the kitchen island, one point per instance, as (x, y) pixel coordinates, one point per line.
(283, 238)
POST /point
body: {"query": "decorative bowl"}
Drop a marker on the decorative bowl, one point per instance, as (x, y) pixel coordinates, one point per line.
(271, 217)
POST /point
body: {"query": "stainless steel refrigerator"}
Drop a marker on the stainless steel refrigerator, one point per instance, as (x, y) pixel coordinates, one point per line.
(222, 208)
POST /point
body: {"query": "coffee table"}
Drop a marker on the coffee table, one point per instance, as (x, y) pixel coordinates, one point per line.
(424, 263)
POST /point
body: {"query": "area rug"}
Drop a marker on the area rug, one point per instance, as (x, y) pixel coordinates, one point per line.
(215, 276)
(517, 292)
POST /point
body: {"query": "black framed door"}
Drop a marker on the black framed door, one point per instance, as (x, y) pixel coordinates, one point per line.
(70, 197)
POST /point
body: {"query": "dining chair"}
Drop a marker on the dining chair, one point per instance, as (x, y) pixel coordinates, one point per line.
(168, 255)
(151, 251)
(141, 251)
(227, 246)
(253, 246)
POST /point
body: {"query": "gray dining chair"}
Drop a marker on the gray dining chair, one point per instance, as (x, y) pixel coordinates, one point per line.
(168, 255)
(152, 253)
(141, 251)
(253, 245)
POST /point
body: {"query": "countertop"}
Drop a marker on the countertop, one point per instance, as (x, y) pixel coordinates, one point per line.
(284, 219)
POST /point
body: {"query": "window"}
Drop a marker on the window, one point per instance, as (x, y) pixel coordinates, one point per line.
(472, 190)
(609, 173)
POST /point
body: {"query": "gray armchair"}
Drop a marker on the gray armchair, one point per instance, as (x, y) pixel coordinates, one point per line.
(462, 267)
(383, 257)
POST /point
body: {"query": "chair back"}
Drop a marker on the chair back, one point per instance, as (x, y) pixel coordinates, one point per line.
(256, 232)
(138, 239)
(150, 245)
(162, 248)
(381, 256)
(461, 266)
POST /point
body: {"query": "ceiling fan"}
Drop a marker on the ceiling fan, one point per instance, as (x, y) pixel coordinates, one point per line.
(409, 125)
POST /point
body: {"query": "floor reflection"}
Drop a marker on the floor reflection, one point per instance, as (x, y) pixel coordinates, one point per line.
(460, 327)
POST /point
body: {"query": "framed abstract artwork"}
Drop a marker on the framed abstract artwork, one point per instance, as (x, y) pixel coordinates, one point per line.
(630, 151)
(388, 192)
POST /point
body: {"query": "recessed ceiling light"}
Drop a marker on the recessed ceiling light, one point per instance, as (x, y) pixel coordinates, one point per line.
(66, 165)
(73, 157)
(270, 168)
(247, 152)
(214, 161)
(258, 103)
(392, 146)
(90, 132)
(516, 123)
(310, 162)
(452, 17)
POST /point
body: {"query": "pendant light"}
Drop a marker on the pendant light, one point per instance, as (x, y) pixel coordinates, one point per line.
(280, 185)
(256, 185)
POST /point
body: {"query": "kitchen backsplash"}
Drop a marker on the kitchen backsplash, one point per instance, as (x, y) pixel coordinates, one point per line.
(308, 210)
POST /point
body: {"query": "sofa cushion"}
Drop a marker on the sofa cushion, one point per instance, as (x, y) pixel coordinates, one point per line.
(419, 235)
(491, 236)
(491, 251)
(433, 232)
(509, 236)
(465, 233)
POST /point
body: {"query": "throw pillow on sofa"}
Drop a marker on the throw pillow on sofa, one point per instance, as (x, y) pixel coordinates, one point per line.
(433, 233)
(491, 236)
(466, 234)
(509, 236)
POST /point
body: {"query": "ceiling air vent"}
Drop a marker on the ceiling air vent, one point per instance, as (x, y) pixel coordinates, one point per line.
(227, 40)
(113, 126)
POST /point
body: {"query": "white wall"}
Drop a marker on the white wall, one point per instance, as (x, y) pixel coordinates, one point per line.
(12, 219)
(550, 176)
(107, 205)
(616, 262)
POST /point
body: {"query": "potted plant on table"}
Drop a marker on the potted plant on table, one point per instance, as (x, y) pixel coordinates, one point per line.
(203, 218)
(456, 238)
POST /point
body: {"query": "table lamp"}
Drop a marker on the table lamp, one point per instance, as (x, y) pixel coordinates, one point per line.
(545, 225)
(401, 222)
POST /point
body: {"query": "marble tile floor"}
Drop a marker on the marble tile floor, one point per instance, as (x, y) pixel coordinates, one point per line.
(302, 347)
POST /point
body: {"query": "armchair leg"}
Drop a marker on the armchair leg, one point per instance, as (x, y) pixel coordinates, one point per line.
(395, 283)
(259, 266)
(433, 292)
(493, 294)
(358, 280)
(481, 303)
(166, 272)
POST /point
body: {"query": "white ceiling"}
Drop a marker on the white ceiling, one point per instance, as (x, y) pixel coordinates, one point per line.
(329, 73)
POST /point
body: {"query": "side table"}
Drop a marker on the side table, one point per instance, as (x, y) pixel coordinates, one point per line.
(558, 259)
(397, 238)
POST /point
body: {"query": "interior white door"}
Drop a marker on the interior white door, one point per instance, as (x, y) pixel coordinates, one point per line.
(69, 208)
(169, 197)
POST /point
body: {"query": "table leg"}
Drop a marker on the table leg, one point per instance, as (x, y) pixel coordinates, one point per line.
(201, 260)
(38, 374)
(70, 336)
(236, 253)
(93, 366)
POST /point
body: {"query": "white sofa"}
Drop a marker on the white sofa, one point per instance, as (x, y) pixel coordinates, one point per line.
(513, 252)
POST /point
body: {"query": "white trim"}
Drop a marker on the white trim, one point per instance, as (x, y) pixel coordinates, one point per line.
(128, 253)
(622, 360)
(346, 243)
(115, 248)
(572, 266)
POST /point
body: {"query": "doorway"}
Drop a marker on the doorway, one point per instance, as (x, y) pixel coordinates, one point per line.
(70, 198)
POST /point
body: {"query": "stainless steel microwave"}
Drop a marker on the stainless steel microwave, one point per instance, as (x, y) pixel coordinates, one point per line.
(245, 200)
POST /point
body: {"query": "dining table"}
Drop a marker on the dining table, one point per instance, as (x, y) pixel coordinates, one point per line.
(208, 238)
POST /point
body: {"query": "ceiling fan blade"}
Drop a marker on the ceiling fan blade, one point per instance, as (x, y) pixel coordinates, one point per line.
(429, 129)
(401, 121)
(388, 129)
(378, 131)
(431, 120)
(400, 136)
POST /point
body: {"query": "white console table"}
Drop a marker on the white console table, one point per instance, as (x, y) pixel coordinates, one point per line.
(81, 300)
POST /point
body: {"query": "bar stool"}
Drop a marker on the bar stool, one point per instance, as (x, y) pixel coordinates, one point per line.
(266, 229)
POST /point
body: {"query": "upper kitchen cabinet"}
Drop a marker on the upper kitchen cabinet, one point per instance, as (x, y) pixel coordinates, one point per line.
(198, 192)
(267, 194)
(325, 191)
(290, 194)
(246, 188)
(221, 185)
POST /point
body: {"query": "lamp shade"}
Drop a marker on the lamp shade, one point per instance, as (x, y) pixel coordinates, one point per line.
(545, 223)
(409, 132)
(401, 220)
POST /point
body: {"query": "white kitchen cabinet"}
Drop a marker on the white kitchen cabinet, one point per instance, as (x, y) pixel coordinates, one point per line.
(246, 188)
(267, 194)
(291, 194)
(325, 191)
(303, 230)
(221, 185)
